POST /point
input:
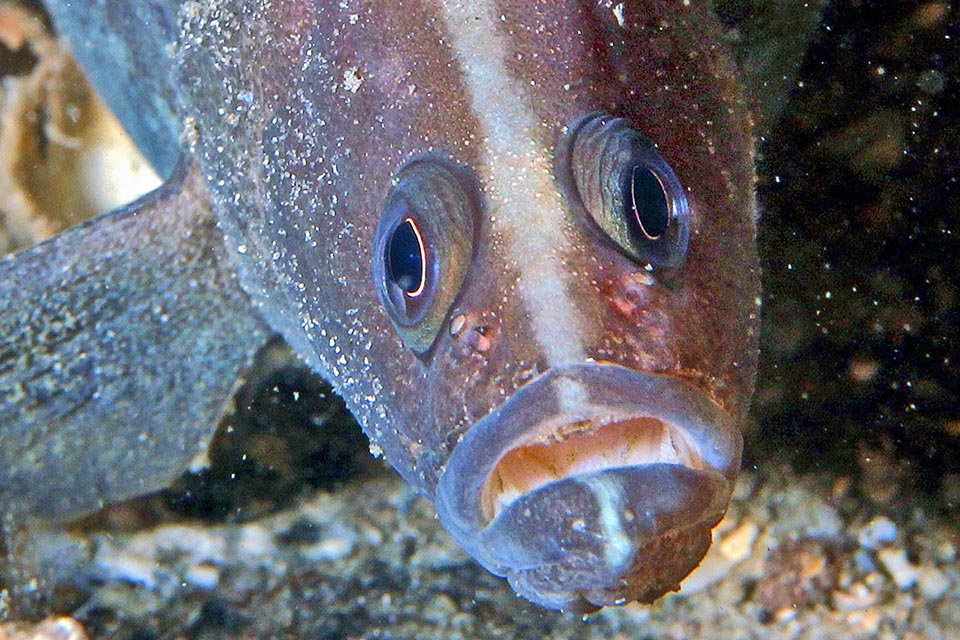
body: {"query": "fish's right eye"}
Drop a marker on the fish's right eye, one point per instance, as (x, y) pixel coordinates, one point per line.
(423, 247)
(406, 258)
(629, 190)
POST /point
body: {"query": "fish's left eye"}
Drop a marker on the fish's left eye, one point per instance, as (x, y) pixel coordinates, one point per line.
(423, 247)
(629, 190)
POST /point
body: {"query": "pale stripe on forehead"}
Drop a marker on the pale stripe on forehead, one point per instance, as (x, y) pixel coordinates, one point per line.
(517, 175)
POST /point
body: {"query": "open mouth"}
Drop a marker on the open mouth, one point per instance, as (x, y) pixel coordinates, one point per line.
(580, 449)
(593, 484)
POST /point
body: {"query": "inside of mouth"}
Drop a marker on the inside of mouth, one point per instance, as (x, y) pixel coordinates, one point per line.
(581, 449)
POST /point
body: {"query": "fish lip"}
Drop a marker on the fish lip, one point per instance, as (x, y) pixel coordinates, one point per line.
(595, 394)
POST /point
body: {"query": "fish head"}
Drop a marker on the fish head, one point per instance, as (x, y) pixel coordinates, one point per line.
(519, 239)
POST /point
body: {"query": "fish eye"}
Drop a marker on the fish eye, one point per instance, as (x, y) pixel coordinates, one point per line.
(406, 258)
(644, 196)
(627, 187)
(423, 247)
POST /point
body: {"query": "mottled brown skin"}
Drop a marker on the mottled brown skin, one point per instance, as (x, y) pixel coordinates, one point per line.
(300, 115)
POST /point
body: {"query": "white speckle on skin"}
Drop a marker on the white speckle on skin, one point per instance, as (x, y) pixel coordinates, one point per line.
(618, 13)
(352, 79)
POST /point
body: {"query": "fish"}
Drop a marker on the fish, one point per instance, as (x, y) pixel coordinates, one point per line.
(519, 239)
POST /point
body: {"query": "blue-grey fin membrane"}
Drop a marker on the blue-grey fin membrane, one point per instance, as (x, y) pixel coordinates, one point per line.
(121, 342)
(124, 48)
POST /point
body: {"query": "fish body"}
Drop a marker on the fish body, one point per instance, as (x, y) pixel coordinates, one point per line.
(519, 239)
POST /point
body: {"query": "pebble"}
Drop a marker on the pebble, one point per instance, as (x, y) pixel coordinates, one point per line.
(737, 544)
(864, 561)
(722, 555)
(179, 539)
(329, 550)
(825, 521)
(858, 597)
(439, 608)
(895, 562)
(933, 584)
(864, 623)
(879, 532)
(785, 614)
(744, 487)
(256, 543)
(50, 629)
(805, 513)
(202, 576)
(126, 566)
(946, 552)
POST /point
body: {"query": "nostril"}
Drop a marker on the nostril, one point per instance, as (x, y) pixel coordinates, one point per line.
(479, 339)
(472, 333)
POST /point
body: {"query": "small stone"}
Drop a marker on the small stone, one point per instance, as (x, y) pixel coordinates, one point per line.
(744, 487)
(933, 583)
(721, 557)
(51, 629)
(825, 521)
(329, 550)
(895, 562)
(865, 623)
(805, 513)
(126, 566)
(256, 543)
(840, 489)
(737, 544)
(856, 598)
(879, 532)
(441, 607)
(302, 531)
(786, 614)
(798, 574)
(177, 540)
(864, 561)
(950, 488)
(202, 576)
(946, 552)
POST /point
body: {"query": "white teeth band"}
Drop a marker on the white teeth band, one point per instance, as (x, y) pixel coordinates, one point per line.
(627, 443)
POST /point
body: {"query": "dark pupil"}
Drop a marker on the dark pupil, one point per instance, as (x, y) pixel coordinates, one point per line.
(646, 202)
(405, 257)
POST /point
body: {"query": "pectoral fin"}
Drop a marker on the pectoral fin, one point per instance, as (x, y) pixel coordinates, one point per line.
(121, 341)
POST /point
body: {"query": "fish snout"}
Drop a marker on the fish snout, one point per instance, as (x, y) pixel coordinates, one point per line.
(592, 485)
